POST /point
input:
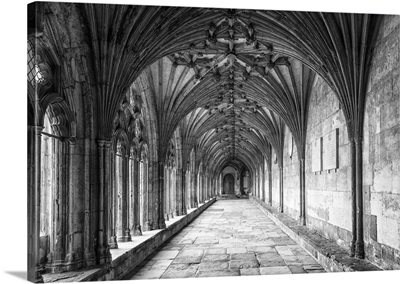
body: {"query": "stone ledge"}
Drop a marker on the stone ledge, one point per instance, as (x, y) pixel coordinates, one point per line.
(122, 265)
(330, 255)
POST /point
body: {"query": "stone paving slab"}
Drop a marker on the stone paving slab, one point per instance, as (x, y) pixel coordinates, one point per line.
(333, 257)
(249, 271)
(231, 238)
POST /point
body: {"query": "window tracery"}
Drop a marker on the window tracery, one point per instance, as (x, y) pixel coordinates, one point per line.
(35, 73)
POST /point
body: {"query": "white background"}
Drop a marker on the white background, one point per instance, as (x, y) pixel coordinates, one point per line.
(13, 119)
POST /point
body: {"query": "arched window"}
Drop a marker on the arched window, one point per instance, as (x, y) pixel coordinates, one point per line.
(46, 192)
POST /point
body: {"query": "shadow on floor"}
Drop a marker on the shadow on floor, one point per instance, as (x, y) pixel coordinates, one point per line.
(18, 274)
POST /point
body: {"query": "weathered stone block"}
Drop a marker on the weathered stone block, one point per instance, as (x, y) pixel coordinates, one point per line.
(373, 231)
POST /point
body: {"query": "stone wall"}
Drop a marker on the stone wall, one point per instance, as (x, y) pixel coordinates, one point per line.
(328, 193)
(381, 150)
(291, 180)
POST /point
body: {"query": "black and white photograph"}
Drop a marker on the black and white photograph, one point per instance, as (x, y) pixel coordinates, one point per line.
(207, 142)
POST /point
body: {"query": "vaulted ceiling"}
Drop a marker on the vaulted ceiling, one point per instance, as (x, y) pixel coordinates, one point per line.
(230, 93)
(230, 80)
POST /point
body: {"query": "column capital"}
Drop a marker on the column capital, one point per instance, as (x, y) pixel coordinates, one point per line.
(104, 143)
(100, 143)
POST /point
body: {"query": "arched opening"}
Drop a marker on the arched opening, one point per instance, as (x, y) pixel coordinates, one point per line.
(46, 192)
(229, 184)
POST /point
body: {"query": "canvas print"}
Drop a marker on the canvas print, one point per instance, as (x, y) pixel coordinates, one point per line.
(183, 142)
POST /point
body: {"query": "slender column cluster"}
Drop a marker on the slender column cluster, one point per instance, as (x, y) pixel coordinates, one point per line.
(34, 143)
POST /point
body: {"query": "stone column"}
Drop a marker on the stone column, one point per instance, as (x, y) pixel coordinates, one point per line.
(281, 188)
(75, 256)
(90, 228)
(188, 190)
(206, 187)
(302, 218)
(256, 184)
(34, 145)
(209, 188)
(145, 195)
(131, 203)
(167, 188)
(262, 197)
(120, 195)
(266, 192)
(193, 181)
(184, 205)
(199, 189)
(141, 194)
(137, 230)
(213, 186)
(60, 203)
(126, 196)
(151, 204)
(353, 197)
(161, 191)
(262, 181)
(359, 252)
(104, 228)
(180, 188)
(259, 184)
(257, 188)
(113, 205)
(202, 188)
(172, 193)
(270, 187)
(220, 184)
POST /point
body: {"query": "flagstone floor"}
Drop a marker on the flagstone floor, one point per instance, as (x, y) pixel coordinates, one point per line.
(231, 238)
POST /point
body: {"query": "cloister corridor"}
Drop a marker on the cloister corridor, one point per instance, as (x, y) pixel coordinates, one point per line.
(232, 237)
(184, 142)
